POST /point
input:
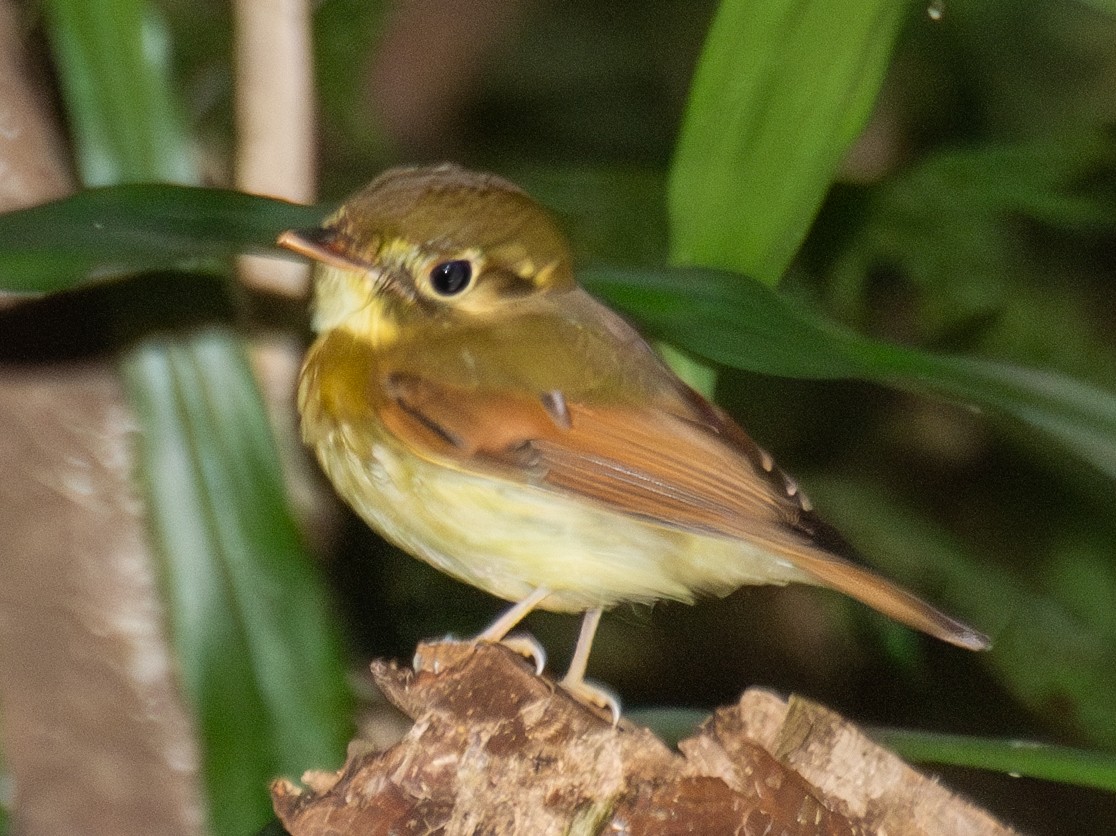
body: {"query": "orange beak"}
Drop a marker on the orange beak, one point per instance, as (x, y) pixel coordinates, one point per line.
(321, 244)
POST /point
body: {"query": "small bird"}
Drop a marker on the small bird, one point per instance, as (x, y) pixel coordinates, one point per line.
(478, 408)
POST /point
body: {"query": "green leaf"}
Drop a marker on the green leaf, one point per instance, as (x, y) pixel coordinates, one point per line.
(115, 230)
(729, 319)
(740, 323)
(713, 314)
(782, 90)
(1015, 757)
(247, 611)
(1080, 416)
(112, 63)
(249, 619)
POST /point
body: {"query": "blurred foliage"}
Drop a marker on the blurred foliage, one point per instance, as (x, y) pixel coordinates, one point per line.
(770, 116)
(1004, 212)
(128, 229)
(974, 223)
(258, 652)
(1019, 757)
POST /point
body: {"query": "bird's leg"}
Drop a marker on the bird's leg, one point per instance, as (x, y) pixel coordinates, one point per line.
(575, 675)
(525, 645)
(501, 626)
(574, 680)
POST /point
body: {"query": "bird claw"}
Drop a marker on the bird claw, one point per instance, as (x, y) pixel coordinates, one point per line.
(528, 647)
(429, 658)
(595, 696)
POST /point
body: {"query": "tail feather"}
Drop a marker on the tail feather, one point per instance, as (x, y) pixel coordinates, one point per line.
(893, 601)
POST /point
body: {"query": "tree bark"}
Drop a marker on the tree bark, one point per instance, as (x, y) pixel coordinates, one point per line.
(496, 749)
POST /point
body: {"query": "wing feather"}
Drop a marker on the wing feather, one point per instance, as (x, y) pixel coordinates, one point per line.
(679, 467)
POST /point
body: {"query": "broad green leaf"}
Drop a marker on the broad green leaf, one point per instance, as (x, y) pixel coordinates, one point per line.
(1082, 417)
(256, 642)
(782, 90)
(247, 610)
(729, 319)
(698, 375)
(117, 230)
(112, 57)
(740, 323)
(1015, 757)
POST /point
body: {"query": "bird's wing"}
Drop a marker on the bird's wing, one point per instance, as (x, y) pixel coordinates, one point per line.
(698, 472)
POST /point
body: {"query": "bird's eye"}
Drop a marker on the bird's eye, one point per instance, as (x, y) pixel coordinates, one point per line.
(451, 277)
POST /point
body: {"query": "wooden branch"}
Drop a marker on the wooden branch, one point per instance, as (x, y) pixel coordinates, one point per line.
(496, 749)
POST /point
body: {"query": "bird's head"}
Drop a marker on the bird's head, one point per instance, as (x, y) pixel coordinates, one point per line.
(425, 247)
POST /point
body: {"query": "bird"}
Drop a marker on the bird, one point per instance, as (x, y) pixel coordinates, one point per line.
(481, 410)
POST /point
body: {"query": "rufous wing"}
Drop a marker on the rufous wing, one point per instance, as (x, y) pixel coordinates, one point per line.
(697, 472)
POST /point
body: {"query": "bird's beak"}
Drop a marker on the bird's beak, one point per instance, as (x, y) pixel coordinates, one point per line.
(323, 244)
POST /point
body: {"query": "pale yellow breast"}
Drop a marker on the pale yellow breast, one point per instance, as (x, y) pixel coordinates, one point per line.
(509, 539)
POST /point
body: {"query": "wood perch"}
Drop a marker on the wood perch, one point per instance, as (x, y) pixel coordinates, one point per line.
(496, 749)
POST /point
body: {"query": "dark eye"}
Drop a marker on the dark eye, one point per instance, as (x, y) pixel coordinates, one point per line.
(451, 277)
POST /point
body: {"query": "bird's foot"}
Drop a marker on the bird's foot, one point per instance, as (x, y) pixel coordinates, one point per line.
(595, 696)
(428, 657)
(528, 647)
